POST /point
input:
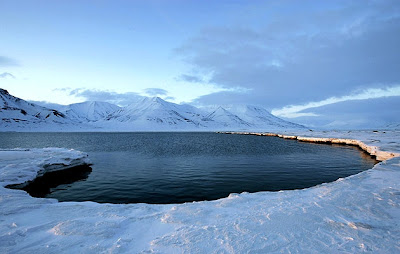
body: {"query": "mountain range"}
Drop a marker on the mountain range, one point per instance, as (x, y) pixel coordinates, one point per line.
(149, 114)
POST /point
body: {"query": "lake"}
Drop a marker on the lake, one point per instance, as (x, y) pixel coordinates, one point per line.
(176, 167)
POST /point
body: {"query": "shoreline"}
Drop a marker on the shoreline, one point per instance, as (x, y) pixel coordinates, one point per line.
(372, 150)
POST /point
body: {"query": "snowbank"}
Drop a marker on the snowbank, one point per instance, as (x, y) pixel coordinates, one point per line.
(21, 165)
(354, 214)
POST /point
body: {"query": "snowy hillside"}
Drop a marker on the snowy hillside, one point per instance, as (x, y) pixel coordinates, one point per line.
(260, 117)
(17, 113)
(222, 117)
(149, 114)
(90, 110)
(155, 113)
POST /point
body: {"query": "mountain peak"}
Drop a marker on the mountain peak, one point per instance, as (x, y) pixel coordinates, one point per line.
(95, 103)
(150, 113)
(4, 91)
(157, 99)
(91, 110)
(152, 101)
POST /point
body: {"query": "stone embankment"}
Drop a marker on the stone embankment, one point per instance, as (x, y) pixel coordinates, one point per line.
(372, 150)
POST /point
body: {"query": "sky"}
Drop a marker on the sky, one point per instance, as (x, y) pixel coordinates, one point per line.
(306, 61)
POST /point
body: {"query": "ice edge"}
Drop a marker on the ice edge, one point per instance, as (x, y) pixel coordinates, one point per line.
(372, 150)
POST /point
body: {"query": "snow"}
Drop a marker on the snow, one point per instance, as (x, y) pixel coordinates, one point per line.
(260, 117)
(223, 117)
(15, 110)
(19, 115)
(360, 213)
(90, 110)
(149, 114)
(21, 165)
(153, 113)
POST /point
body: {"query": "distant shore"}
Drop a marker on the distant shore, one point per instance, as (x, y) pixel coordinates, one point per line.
(372, 150)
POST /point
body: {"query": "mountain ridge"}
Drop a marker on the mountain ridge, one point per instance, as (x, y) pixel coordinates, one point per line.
(149, 114)
(17, 110)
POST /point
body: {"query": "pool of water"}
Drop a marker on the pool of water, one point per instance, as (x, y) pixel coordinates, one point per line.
(180, 167)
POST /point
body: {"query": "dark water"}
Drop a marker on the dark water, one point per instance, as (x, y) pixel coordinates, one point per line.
(181, 167)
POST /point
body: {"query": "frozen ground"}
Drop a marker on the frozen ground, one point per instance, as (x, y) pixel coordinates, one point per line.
(356, 214)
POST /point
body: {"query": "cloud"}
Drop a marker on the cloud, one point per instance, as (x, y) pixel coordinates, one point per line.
(291, 58)
(63, 89)
(121, 99)
(49, 105)
(169, 98)
(225, 98)
(190, 78)
(355, 114)
(155, 92)
(293, 111)
(6, 75)
(6, 61)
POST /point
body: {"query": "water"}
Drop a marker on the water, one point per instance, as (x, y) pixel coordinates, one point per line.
(181, 167)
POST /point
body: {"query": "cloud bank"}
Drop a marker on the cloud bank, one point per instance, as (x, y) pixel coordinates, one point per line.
(379, 112)
(155, 92)
(293, 111)
(6, 75)
(304, 52)
(120, 99)
(190, 78)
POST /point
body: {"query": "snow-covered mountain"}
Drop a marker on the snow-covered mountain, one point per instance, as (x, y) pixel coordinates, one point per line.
(222, 117)
(259, 117)
(90, 111)
(156, 111)
(17, 113)
(149, 114)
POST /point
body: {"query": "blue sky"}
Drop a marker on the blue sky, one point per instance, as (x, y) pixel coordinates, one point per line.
(292, 57)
